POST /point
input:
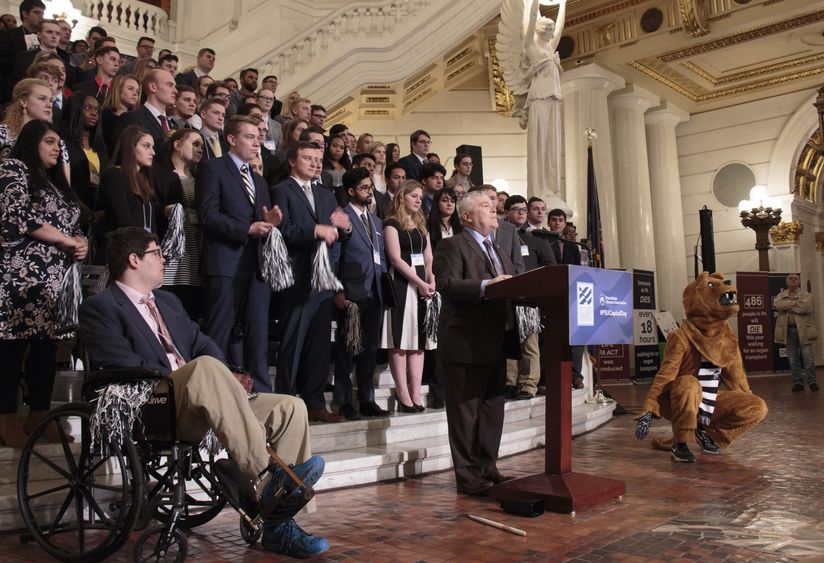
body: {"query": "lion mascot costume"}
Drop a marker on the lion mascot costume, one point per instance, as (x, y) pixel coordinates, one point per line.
(699, 355)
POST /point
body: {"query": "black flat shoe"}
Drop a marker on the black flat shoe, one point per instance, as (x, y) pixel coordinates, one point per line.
(419, 408)
(406, 409)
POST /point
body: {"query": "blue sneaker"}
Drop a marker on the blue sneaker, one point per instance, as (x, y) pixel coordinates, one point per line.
(274, 512)
(289, 539)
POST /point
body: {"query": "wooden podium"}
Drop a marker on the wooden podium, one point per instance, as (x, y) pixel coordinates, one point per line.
(562, 490)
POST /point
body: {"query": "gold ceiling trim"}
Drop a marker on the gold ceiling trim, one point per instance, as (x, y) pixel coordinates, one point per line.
(694, 15)
(696, 93)
(604, 11)
(760, 71)
(504, 101)
(744, 36)
(808, 170)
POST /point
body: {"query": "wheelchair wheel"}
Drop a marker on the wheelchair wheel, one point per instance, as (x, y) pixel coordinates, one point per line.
(249, 533)
(204, 499)
(151, 546)
(77, 504)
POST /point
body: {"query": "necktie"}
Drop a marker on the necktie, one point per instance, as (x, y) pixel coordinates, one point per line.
(55, 103)
(247, 183)
(164, 123)
(367, 224)
(493, 257)
(163, 331)
(104, 90)
(214, 142)
(307, 189)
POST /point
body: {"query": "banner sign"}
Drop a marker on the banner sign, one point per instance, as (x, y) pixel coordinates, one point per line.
(612, 362)
(647, 354)
(600, 306)
(755, 324)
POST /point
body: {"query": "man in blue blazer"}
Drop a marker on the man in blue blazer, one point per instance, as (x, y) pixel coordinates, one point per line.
(310, 218)
(236, 214)
(132, 324)
(362, 261)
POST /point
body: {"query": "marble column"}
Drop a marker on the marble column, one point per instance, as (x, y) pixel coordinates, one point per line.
(629, 145)
(585, 90)
(667, 212)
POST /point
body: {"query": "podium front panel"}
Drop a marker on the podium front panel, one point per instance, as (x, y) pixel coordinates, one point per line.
(600, 306)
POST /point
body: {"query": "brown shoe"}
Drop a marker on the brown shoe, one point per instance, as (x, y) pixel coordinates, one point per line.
(323, 415)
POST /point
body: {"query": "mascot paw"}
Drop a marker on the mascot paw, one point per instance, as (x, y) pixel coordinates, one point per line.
(660, 444)
(642, 428)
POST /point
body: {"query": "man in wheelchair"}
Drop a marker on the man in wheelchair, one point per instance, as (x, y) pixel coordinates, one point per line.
(132, 324)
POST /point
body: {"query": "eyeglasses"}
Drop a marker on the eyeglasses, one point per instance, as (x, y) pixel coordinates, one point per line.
(156, 251)
(266, 98)
(424, 142)
(518, 210)
(319, 115)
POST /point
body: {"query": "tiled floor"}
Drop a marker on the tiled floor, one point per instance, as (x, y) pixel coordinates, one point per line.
(763, 500)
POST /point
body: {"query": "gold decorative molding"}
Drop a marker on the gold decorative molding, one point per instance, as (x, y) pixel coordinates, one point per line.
(760, 71)
(809, 169)
(504, 100)
(744, 36)
(819, 241)
(602, 11)
(695, 17)
(786, 233)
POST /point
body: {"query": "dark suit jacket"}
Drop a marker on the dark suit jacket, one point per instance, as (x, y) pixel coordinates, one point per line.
(12, 43)
(208, 153)
(80, 171)
(472, 330)
(298, 226)
(167, 184)
(382, 201)
(89, 87)
(412, 164)
(117, 336)
(540, 251)
(186, 79)
(125, 209)
(24, 59)
(225, 213)
(571, 253)
(360, 276)
(144, 118)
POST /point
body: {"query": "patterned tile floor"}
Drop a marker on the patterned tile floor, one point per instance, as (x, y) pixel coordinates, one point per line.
(763, 500)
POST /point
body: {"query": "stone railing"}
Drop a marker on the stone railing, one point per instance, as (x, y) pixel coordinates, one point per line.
(132, 15)
(381, 41)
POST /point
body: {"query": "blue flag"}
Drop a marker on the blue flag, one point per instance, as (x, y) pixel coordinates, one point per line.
(594, 215)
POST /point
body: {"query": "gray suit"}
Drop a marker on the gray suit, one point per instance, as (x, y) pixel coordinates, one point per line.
(506, 238)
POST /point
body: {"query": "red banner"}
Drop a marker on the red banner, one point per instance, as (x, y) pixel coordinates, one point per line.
(755, 320)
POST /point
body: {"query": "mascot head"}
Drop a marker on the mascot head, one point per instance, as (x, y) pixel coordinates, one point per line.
(710, 297)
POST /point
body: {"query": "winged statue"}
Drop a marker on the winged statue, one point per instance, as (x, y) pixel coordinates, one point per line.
(526, 47)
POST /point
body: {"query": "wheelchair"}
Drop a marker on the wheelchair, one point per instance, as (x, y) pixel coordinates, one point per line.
(98, 493)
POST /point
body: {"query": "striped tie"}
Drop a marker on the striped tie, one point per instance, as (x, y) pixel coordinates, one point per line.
(247, 183)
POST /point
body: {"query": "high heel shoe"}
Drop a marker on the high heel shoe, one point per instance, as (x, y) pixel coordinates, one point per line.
(419, 408)
(406, 408)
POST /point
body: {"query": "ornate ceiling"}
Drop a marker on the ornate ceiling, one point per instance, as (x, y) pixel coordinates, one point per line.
(698, 54)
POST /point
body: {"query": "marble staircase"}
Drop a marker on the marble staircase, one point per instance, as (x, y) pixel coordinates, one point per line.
(357, 452)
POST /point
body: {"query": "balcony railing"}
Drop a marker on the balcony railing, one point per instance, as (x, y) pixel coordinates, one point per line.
(135, 16)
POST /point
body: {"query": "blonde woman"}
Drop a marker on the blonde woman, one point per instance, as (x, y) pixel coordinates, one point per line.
(123, 96)
(378, 152)
(30, 100)
(409, 254)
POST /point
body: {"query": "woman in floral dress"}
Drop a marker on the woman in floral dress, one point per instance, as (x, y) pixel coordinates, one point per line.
(39, 240)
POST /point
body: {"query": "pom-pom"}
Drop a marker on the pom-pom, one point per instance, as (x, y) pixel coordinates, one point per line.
(69, 298)
(529, 321)
(430, 319)
(118, 408)
(276, 267)
(323, 278)
(174, 242)
(353, 333)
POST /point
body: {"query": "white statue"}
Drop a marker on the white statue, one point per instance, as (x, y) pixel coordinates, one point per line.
(526, 47)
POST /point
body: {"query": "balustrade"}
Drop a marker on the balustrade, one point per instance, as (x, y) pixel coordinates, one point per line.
(133, 15)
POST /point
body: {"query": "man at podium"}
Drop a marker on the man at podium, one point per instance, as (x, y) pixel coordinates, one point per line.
(476, 335)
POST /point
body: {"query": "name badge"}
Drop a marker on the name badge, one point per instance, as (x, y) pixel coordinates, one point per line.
(417, 259)
(376, 257)
(524, 250)
(32, 42)
(94, 178)
(271, 146)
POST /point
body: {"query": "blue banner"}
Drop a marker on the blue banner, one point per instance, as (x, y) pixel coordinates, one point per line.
(600, 306)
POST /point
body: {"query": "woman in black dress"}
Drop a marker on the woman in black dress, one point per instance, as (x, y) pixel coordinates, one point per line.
(127, 195)
(409, 254)
(87, 152)
(41, 238)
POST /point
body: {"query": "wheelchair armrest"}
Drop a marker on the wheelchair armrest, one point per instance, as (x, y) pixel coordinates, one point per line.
(124, 375)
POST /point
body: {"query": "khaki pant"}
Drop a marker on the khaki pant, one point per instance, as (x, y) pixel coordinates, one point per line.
(526, 372)
(208, 396)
